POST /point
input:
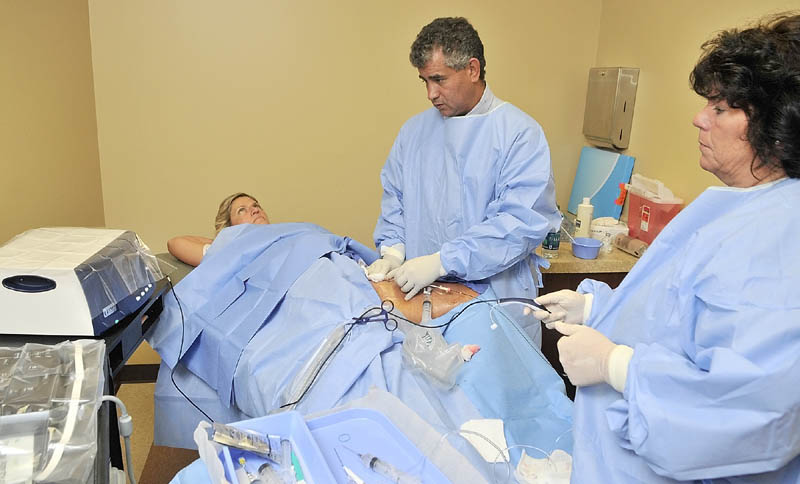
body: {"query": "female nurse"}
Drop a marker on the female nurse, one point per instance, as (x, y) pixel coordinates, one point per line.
(689, 370)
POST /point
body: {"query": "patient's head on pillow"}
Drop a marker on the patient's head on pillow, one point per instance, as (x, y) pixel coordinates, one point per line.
(239, 208)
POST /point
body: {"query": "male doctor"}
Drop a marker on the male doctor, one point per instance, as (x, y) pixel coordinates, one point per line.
(468, 188)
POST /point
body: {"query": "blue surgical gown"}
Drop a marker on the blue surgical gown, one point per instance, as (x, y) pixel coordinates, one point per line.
(712, 311)
(478, 189)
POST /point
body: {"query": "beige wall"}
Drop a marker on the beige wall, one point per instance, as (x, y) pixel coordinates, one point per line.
(48, 136)
(299, 102)
(663, 39)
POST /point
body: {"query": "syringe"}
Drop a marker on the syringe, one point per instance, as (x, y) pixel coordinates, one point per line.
(426, 305)
(387, 470)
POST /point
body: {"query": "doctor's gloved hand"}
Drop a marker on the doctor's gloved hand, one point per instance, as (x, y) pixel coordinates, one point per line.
(377, 271)
(567, 306)
(588, 357)
(417, 273)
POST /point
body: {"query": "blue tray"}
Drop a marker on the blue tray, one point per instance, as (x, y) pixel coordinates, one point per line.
(288, 425)
(368, 431)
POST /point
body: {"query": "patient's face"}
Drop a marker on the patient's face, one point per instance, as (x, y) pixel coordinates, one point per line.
(245, 210)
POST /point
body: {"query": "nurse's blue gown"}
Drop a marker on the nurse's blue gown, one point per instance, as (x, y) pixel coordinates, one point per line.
(712, 311)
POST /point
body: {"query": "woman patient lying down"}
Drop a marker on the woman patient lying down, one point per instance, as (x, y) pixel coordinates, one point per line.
(241, 208)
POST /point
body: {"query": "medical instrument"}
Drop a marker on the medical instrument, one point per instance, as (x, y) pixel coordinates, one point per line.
(426, 304)
(241, 475)
(249, 477)
(448, 290)
(441, 288)
(305, 379)
(268, 475)
(244, 439)
(299, 475)
(385, 469)
(73, 281)
(352, 476)
(568, 306)
(287, 466)
(209, 451)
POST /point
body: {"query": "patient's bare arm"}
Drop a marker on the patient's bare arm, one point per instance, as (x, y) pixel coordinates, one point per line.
(442, 301)
(188, 248)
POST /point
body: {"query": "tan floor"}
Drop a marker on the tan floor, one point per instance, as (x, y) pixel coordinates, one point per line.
(138, 398)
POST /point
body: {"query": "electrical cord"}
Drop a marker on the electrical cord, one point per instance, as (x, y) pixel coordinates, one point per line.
(383, 312)
(446, 325)
(180, 350)
(125, 423)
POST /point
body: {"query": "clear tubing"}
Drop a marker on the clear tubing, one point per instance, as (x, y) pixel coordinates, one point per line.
(501, 452)
(305, 377)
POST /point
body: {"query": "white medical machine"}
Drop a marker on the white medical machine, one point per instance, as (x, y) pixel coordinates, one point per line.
(73, 281)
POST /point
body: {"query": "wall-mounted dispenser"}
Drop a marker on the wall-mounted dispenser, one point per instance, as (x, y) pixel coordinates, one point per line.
(609, 105)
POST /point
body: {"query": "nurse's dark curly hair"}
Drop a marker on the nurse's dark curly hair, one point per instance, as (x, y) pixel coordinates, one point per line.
(457, 38)
(758, 70)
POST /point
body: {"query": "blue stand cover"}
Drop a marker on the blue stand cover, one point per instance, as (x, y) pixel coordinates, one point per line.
(598, 177)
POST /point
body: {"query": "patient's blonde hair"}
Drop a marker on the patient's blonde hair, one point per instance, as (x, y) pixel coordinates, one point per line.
(224, 213)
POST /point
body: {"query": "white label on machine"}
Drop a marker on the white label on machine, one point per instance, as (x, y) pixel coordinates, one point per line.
(109, 310)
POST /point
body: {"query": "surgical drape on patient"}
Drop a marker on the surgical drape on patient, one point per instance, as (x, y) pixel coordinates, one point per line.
(225, 301)
(477, 189)
(712, 311)
(509, 379)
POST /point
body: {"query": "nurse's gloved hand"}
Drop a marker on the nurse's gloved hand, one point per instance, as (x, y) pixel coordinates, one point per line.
(589, 358)
(566, 306)
(417, 273)
(377, 271)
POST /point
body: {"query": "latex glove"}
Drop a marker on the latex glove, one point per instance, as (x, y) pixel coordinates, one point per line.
(377, 271)
(589, 357)
(567, 306)
(417, 273)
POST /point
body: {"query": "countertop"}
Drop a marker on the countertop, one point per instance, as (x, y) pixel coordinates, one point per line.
(566, 263)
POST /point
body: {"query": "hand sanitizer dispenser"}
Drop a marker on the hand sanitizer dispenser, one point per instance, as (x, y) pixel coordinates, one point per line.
(610, 98)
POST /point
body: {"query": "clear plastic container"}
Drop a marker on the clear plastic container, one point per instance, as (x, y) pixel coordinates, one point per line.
(49, 396)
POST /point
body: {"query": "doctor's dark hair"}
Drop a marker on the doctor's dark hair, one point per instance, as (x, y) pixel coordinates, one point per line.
(456, 37)
(224, 213)
(758, 70)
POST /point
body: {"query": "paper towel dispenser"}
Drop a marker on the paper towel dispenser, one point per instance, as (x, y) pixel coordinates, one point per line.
(609, 105)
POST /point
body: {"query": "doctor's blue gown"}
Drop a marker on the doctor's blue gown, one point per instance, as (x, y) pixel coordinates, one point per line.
(478, 189)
